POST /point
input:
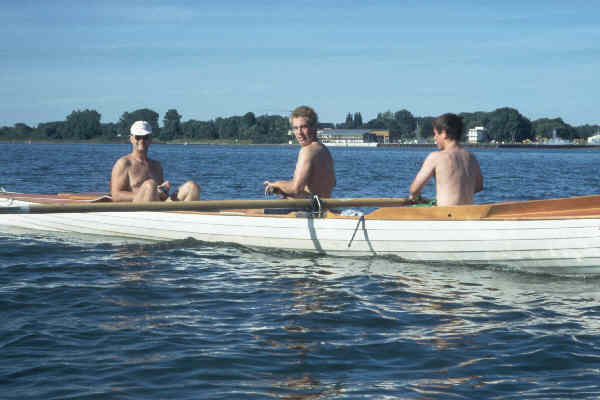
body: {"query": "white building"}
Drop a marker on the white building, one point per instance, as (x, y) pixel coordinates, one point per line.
(344, 137)
(347, 137)
(477, 134)
(594, 139)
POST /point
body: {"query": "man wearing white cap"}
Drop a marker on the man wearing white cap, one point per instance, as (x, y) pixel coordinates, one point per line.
(137, 178)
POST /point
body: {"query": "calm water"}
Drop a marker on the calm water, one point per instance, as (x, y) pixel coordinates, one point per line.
(99, 318)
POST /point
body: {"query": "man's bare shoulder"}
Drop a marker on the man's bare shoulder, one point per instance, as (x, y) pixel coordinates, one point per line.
(433, 157)
(316, 148)
(464, 154)
(457, 158)
(462, 150)
(123, 162)
(309, 151)
(471, 155)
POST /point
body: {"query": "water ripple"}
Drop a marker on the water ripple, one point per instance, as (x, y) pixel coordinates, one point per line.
(87, 317)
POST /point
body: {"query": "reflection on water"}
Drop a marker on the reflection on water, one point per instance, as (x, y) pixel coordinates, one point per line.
(291, 325)
(100, 317)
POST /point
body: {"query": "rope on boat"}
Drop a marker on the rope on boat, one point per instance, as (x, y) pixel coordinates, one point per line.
(361, 219)
(317, 208)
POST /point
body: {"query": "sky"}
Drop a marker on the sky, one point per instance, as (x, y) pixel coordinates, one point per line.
(210, 59)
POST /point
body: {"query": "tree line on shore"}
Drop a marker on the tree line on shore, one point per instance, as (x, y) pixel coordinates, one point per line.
(503, 125)
(86, 125)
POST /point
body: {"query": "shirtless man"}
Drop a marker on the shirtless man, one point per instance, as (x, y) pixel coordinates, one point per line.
(137, 178)
(314, 172)
(456, 171)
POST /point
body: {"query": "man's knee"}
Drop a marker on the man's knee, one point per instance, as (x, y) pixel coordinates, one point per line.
(147, 191)
(148, 184)
(189, 191)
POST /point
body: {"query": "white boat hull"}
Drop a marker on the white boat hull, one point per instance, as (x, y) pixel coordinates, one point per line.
(545, 244)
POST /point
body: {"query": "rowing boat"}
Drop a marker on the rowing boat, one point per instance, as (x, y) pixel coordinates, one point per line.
(543, 234)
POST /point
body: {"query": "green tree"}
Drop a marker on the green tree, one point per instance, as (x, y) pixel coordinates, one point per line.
(110, 130)
(227, 127)
(246, 125)
(377, 123)
(349, 124)
(504, 124)
(200, 130)
(425, 126)
(82, 125)
(508, 125)
(585, 131)
(171, 126)
(51, 130)
(270, 129)
(406, 123)
(471, 120)
(6, 132)
(248, 119)
(383, 121)
(545, 128)
(23, 131)
(358, 122)
(144, 114)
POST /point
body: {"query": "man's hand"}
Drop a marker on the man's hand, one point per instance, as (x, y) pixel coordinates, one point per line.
(415, 198)
(163, 190)
(271, 188)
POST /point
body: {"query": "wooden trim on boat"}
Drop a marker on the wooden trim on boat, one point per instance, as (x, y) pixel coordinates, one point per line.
(564, 208)
(574, 207)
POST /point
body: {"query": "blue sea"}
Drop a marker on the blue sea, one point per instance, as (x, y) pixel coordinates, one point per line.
(86, 317)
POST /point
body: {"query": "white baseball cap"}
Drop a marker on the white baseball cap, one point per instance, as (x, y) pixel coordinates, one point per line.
(140, 128)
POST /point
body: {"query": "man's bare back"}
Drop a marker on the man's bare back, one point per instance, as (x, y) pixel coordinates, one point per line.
(457, 176)
(456, 171)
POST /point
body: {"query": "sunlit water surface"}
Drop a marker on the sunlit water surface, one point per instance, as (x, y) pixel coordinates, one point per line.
(87, 317)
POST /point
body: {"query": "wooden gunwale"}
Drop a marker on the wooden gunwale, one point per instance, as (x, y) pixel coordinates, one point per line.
(564, 208)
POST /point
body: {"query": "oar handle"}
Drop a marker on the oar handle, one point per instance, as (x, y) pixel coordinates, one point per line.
(201, 205)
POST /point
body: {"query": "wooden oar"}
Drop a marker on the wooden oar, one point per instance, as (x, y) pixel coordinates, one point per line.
(203, 205)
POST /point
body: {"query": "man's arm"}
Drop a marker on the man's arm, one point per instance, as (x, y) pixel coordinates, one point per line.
(120, 188)
(162, 186)
(426, 172)
(295, 187)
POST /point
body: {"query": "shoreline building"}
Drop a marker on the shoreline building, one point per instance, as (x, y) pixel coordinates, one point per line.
(384, 136)
(555, 140)
(351, 137)
(348, 137)
(477, 134)
(594, 139)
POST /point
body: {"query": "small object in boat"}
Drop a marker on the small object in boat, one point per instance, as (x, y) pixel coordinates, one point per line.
(349, 212)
